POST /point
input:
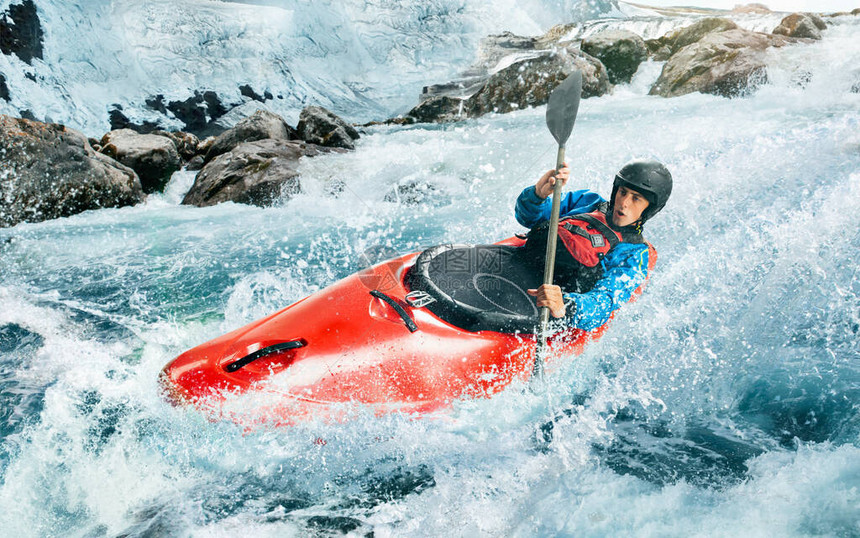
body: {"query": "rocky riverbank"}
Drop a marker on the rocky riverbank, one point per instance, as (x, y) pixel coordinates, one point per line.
(713, 55)
(50, 171)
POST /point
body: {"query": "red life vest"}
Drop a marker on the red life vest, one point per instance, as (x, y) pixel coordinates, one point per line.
(587, 237)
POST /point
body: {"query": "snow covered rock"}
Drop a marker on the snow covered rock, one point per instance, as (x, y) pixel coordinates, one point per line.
(154, 158)
(319, 126)
(261, 125)
(798, 25)
(729, 63)
(256, 173)
(620, 51)
(48, 171)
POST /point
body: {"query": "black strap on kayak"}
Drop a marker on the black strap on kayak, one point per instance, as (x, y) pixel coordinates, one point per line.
(410, 323)
(244, 361)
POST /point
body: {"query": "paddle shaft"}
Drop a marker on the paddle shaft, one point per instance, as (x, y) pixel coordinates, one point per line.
(549, 267)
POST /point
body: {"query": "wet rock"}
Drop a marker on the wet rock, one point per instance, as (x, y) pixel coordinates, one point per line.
(186, 143)
(798, 25)
(817, 21)
(663, 48)
(154, 158)
(595, 79)
(619, 50)
(205, 145)
(494, 48)
(257, 173)
(439, 109)
(238, 114)
(528, 83)
(21, 31)
(259, 126)
(49, 171)
(729, 63)
(319, 126)
(195, 164)
(414, 192)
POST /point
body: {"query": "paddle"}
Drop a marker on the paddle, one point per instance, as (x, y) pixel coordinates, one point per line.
(560, 116)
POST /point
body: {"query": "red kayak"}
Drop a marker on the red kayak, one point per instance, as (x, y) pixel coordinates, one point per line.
(411, 334)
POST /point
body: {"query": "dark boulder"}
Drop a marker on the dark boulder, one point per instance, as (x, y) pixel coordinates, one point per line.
(319, 126)
(261, 125)
(817, 21)
(729, 63)
(154, 158)
(440, 109)
(798, 25)
(595, 79)
(196, 163)
(528, 83)
(21, 31)
(257, 173)
(619, 50)
(49, 171)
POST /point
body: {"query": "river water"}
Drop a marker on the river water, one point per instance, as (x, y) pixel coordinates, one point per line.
(723, 403)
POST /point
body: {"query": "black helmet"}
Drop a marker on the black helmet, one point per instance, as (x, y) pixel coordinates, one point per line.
(651, 179)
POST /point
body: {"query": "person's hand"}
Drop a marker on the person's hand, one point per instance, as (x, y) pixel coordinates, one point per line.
(550, 295)
(546, 183)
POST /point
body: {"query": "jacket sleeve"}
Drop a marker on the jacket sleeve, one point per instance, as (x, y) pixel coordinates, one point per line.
(531, 210)
(624, 272)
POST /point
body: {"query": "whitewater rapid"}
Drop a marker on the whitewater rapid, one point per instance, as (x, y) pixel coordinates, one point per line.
(724, 402)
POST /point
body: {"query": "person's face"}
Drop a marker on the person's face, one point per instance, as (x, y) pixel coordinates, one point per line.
(629, 206)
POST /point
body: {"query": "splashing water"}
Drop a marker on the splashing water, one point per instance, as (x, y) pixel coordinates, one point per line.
(723, 402)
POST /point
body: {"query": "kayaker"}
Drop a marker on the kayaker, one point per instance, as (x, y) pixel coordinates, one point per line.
(599, 267)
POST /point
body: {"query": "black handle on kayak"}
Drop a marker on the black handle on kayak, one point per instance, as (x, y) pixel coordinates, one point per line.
(410, 323)
(259, 354)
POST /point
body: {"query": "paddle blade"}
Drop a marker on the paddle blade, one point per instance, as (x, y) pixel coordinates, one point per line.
(562, 107)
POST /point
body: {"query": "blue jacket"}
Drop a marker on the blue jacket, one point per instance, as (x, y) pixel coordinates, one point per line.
(625, 267)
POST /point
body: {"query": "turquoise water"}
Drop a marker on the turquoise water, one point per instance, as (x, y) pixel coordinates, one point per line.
(724, 402)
